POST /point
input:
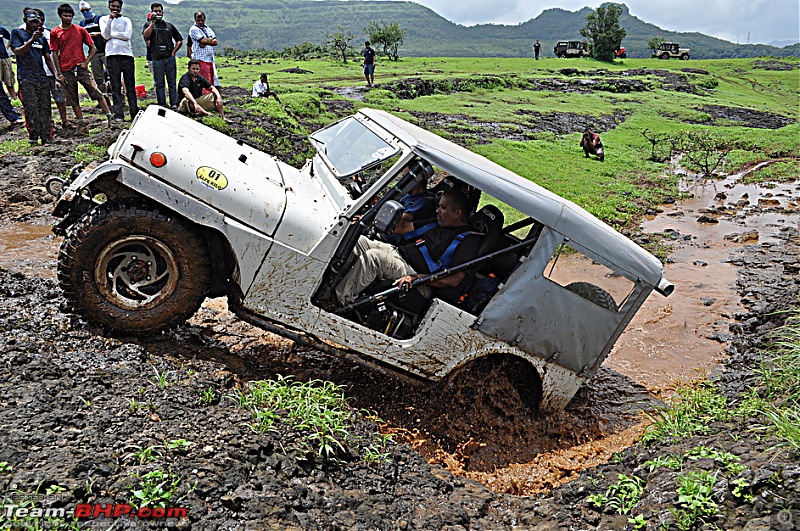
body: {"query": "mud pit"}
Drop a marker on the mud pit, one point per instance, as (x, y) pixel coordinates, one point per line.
(67, 399)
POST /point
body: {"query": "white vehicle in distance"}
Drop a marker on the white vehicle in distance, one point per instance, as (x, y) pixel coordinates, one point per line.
(181, 212)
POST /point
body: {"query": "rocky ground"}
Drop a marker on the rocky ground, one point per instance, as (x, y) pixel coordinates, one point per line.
(87, 417)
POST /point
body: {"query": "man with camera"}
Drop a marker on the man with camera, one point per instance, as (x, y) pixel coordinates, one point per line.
(32, 50)
(163, 40)
(117, 31)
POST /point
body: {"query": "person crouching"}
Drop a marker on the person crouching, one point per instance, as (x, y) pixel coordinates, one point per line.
(191, 88)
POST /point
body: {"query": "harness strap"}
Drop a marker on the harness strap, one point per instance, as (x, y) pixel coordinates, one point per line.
(419, 231)
(444, 260)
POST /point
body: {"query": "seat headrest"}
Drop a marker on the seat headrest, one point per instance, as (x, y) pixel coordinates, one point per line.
(488, 220)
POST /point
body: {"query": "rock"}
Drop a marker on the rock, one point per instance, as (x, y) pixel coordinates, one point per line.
(700, 263)
(707, 301)
(707, 219)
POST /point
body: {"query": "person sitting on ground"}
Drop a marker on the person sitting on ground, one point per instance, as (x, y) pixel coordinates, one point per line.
(429, 248)
(261, 88)
(191, 88)
(591, 144)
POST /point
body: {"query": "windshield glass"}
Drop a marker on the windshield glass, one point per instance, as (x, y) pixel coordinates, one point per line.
(350, 147)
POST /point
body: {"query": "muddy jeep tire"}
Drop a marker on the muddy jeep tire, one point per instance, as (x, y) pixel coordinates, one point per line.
(665, 55)
(684, 57)
(133, 268)
(594, 294)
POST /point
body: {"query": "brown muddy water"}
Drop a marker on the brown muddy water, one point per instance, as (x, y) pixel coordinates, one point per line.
(673, 339)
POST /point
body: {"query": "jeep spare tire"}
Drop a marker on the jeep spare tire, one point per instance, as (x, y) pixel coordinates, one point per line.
(133, 268)
(594, 294)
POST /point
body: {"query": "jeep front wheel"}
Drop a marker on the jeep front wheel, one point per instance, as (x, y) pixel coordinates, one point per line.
(132, 268)
(684, 57)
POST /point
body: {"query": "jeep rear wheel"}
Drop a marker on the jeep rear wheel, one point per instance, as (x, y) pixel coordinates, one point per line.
(562, 55)
(487, 381)
(132, 268)
(665, 55)
(594, 294)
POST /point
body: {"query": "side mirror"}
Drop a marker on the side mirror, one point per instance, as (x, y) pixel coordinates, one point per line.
(388, 217)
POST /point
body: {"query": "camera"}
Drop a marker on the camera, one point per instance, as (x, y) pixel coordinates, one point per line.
(156, 16)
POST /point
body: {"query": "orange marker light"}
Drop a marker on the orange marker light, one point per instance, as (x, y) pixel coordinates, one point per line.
(158, 159)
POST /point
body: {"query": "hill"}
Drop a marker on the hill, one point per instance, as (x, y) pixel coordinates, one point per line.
(278, 24)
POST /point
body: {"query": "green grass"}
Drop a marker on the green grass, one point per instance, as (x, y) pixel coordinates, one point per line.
(777, 399)
(689, 413)
(20, 147)
(316, 409)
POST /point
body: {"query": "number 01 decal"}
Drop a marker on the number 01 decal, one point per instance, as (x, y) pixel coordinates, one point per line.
(212, 178)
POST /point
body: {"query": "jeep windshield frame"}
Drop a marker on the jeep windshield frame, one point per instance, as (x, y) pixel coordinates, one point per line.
(348, 147)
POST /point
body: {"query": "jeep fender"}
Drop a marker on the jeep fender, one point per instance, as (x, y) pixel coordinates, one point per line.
(248, 245)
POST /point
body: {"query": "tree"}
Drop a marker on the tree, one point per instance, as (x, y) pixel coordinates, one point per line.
(389, 37)
(339, 40)
(654, 43)
(602, 29)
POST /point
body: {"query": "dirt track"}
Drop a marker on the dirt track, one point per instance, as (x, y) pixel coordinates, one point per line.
(77, 402)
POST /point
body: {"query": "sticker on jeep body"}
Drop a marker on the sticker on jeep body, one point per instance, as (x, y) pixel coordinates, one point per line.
(212, 178)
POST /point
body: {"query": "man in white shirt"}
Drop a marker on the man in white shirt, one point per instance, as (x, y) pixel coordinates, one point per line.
(117, 31)
(261, 89)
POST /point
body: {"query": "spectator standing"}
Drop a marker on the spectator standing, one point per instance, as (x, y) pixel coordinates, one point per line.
(261, 88)
(56, 88)
(164, 41)
(191, 86)
(72, 66)
(31, 49)
(369, 64)
(203, 42)
(537, 47)
(6, 69)
(92, 24)
(117, 30)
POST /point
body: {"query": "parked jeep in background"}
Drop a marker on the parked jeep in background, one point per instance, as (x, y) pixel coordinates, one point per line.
(182, 212)
(571, 49)
(672, 49)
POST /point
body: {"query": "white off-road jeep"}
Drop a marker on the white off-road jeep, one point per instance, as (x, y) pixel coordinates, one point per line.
(182, 212)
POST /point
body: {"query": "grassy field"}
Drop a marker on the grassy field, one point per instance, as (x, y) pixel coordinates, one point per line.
(505, 92)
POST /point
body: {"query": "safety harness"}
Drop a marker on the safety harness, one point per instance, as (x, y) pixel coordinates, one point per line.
(435, 266)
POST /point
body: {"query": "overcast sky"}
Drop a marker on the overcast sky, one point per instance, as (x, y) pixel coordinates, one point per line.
(765, 20)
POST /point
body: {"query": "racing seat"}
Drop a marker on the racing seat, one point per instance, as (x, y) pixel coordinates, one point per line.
(449, 183)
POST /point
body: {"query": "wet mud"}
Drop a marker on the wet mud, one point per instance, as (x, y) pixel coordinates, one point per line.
(468, 453)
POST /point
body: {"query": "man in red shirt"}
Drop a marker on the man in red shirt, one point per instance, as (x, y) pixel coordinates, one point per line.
(72, 66)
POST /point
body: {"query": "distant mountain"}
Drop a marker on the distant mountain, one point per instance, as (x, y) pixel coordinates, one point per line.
(781, 44)
(278, 24)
